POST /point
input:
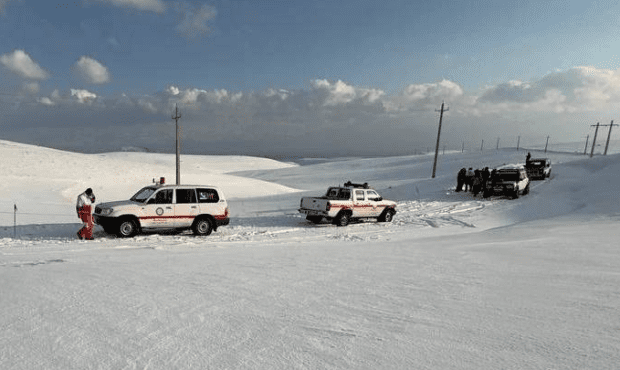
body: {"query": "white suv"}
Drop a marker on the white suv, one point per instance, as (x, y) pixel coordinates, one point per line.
(200, 208)
(510, 180)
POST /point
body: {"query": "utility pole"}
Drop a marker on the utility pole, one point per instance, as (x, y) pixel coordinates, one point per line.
(438, 135)
(497, 146)
(176, 117)
(547, 143)
(482, 145)
(463, 147)
(594, 140)
(586, 148)
(518, 141)
(608, 136)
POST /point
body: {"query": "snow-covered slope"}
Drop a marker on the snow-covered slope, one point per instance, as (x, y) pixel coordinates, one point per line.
(454, 282)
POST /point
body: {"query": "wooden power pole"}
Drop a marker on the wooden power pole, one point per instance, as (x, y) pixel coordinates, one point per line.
(608, 136)
(438, 135)
(176, 117)
(594, 140)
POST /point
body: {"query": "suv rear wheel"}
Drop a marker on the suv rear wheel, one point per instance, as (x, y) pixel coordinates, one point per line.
(202, 226)
(342, 219)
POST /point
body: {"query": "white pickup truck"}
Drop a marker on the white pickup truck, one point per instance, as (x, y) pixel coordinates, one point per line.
(342, 204)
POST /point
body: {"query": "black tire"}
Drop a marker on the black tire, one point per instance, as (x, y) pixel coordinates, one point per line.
(486, 194)
(342, 219)
(202, 227)
(386, 216)
(516, 194)
(526, 191)
(127, 228)
(314, 219)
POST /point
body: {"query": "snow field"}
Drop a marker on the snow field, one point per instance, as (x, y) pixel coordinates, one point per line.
(454, 282)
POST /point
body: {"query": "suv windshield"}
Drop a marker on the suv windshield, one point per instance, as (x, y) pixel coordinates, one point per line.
(142, 195)
(508, 176)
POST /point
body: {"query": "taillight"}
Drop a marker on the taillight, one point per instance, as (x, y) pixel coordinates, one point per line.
(226, 212)
(329, 206)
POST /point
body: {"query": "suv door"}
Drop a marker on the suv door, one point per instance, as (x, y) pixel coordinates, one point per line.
(185, 207)
(361, 206)
(158, 211)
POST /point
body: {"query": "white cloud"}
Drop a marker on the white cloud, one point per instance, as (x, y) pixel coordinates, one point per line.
(2, 5)
(445, 90)
(30, 87)
(46, 101)
(147, 106)
(83, 96)
(172, 90)
(19, 62)
(343, 93)
(195, 21)
(92, 71)
(157, 6)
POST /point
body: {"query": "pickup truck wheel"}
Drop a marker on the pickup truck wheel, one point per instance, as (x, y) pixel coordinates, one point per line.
(386, 216)
(516, 194)
(127, 228)
(342, 219)
(202, 227)
(314, 219)
(526, 191)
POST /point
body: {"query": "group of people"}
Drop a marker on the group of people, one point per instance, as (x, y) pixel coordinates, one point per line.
(472, 180)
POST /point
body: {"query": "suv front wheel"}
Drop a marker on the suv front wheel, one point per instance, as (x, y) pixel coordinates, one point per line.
(127, 228)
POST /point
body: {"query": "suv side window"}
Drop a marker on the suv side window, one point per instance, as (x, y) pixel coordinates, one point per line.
(359, 194)
(208, 196)
(163, 196)
(186, 196)
(372, 195)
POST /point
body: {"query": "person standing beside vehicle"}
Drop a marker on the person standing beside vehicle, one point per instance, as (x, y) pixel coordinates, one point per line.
(84, 210)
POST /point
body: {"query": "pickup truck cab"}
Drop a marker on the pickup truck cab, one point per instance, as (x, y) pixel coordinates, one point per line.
(200, 208)
(510, 180)
(342, 204)
(538, 168)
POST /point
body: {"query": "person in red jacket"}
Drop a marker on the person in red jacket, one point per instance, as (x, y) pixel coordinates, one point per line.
(84, 211)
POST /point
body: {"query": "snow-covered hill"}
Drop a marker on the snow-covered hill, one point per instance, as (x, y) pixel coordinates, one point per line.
(455, 282)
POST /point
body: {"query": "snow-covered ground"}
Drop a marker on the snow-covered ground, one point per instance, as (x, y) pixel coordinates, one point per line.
(454, 282)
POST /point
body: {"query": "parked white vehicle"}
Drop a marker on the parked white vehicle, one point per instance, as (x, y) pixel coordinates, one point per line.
(510, 180)
(200, 208)
(341, 204)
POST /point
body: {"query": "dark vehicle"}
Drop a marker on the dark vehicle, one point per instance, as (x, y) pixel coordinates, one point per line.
(538, 168)
(508, 180)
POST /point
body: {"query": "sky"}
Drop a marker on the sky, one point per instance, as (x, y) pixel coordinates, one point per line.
(305, 78)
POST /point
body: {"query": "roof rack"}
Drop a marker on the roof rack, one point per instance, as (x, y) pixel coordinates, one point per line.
(353, 185)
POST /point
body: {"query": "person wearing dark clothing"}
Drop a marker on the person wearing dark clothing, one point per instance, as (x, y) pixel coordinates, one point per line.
(469, 179)
(460, 179)
(485, 177)
(476, 182)
(528, 157)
